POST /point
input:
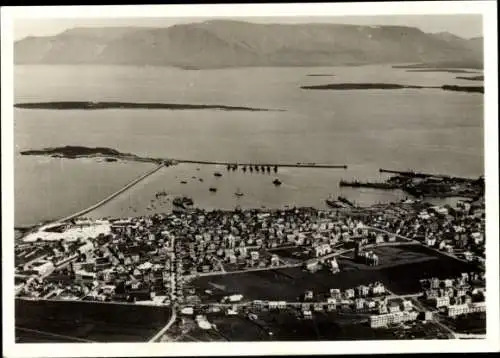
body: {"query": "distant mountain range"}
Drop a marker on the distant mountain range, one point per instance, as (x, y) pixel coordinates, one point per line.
(223, 43)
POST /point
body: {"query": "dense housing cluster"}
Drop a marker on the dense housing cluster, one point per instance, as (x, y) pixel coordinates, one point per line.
(150, 260)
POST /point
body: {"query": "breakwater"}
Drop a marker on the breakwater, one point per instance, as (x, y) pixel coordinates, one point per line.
(282, 165)
(112, 196)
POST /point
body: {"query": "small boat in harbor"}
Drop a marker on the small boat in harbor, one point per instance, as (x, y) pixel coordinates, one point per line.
(345, 201)
(335, 203)
(212, 189)
(182, 202)
(183, 182)
(217, 174)
(238, 193)
(277, 182)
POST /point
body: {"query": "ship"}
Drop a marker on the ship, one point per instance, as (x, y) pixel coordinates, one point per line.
(239, 193)
(182, 202)
(277, 182)
(217, 174)
(213, 190)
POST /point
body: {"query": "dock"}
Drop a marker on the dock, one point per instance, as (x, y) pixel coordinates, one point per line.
(423, 175)
(373, 185)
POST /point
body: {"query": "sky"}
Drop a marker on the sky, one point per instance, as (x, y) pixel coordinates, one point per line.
(466, 26)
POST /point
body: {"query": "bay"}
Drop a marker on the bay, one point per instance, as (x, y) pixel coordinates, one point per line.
(427, 130)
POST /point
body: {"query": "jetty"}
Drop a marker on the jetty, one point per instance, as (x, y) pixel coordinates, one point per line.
(374, 185)
(414, 174)
(259, 166)
(112, 196)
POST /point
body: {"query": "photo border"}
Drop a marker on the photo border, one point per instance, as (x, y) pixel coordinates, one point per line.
(486, 8)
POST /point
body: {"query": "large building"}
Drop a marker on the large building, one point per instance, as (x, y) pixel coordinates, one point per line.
(383, 320)
(461, 309)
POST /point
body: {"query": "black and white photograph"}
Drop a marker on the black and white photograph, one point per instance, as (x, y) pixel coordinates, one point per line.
(180, 175)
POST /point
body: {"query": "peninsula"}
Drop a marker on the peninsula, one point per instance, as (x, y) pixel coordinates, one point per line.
(86, 105)
(74, 152)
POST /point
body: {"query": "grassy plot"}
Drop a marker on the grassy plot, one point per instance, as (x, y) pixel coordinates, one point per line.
(402, 268)
(50, 321)
(473, 323)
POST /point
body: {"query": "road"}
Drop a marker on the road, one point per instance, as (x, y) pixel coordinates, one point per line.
(333, 254)
(218, 273)
(162, 331)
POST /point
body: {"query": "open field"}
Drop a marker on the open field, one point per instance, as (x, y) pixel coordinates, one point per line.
(87, 321)
(391, 256)
(472, 323)
(405, 267)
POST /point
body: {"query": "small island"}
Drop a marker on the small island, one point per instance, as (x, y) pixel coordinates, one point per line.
(75, 152)
(131, 105)
(391, 86)
(360, 86)
(320, 75)
(471, 78)
(473, 89)
(448, 70)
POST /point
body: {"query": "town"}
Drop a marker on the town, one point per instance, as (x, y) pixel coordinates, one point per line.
(159, 260)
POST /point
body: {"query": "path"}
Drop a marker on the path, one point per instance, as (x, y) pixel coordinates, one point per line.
(218, 273)
(162, 331)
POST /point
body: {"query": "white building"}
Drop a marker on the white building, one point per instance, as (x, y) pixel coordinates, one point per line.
(466, 308)
(322, 250)
(441, 301)
(334, 266)
(43, 268)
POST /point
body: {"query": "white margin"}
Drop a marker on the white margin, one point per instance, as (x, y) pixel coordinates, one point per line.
(490, 344)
